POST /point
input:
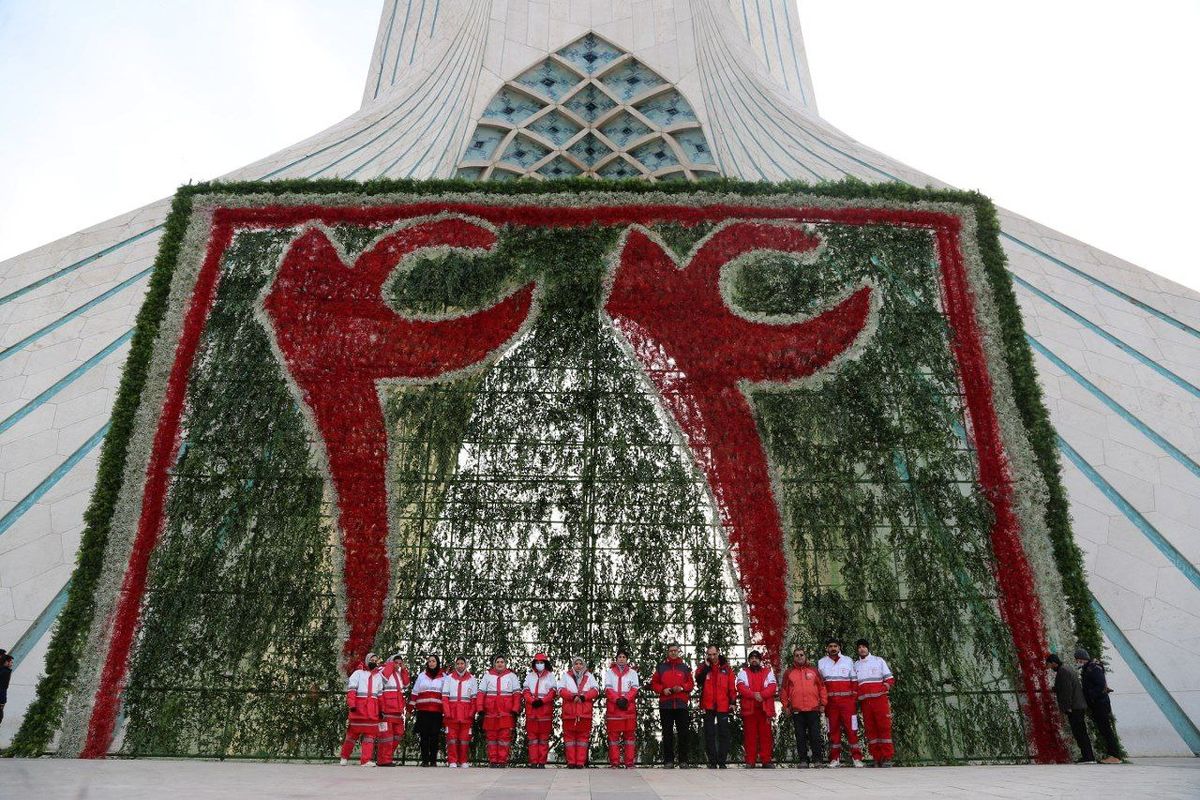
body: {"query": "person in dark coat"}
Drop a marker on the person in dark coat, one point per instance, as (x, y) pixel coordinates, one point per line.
(1068, 691)
(1095, 694)
(6, 668)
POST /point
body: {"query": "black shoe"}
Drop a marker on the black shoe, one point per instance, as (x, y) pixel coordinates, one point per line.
(712, 766)
(722, 766)
(387, 765)
(803, 765)
(887, 762)
(669, 765)
(768, 766)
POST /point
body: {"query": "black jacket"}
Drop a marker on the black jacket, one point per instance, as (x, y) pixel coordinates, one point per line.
(1068, 690)
(1095, 685)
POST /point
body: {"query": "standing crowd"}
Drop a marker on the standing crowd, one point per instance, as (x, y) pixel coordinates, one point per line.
(381, 696)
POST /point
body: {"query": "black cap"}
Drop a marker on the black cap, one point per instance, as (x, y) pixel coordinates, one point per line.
(1080, 653)
(1053, 659)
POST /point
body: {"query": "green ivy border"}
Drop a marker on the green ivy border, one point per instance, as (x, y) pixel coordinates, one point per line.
(71, 632)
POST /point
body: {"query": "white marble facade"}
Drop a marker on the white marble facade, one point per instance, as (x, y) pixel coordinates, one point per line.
(1117, 348)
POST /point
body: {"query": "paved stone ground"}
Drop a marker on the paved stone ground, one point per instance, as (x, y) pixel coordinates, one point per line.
(51, 779)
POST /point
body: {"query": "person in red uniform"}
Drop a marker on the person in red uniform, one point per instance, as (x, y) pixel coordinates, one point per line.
(715, 680)
(363, 690)
(621, 686)
(579, 691)
(459, 689)
(540, 692)
(804, 698)
(395, 680)
(673, 684)
(756, 688)
(841, 689)
(499, 700)
(875, 680)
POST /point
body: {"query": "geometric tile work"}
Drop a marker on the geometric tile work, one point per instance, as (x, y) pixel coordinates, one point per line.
(588, 109)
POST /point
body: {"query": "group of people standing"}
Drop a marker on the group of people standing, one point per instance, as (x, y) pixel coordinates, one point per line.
(450, 701)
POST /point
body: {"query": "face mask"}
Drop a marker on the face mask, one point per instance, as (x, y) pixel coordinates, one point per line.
(540, 666)
(372, 664)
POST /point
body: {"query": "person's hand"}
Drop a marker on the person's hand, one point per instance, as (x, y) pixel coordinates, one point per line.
(622, 703)
(758, 696)
(820, 709)
(579, 698)
(537, 702)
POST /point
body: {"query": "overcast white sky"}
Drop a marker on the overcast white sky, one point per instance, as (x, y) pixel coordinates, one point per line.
(1082, 115)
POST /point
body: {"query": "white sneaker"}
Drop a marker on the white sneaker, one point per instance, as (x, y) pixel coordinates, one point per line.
(367, 764)
(858, 762)
(464, 766)
(835, 764)
(344, 762)
(452, 766)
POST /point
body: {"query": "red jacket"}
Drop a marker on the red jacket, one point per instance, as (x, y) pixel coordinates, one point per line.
(717, 690)
(803, 689)
(394, 683)
(751, 682)
(573, 711)
(672, 674)
(458, 696)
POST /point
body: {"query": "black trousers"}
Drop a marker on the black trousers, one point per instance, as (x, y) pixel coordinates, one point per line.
(674, 720)
(1079, 730)
(1102, 716)
(429, 732)
(807, 725)
(716, 737)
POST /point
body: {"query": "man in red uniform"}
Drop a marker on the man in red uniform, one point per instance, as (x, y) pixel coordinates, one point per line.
(621, 686)
(875, 680)
(579, 692)
(673, 684)
(841, 689)
(715, 679)
(395, 679)
(363, 690)
(499, 700)
(756, 690)
(540, 691)
(459, 689)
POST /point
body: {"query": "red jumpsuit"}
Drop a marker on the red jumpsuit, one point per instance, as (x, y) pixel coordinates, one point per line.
(499, 699)
(621, 722)
(539, 722)
(395, 681)
(757, 715)
(875, 680)
(841, 686)
(579, 697)
(458, 712)
(363, 690)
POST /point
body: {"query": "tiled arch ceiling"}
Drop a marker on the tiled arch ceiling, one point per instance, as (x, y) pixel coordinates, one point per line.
(589, 109)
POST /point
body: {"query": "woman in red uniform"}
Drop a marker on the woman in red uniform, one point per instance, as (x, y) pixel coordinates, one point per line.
(499, 699)
(395, 681)
(363, 690)
(459, 689)
(620, 711)
(540, 691)
(579, 692)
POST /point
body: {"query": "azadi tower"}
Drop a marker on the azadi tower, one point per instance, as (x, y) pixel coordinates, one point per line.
(667, 90)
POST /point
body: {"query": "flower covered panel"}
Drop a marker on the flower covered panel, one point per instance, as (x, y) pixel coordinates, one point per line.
(424, 418)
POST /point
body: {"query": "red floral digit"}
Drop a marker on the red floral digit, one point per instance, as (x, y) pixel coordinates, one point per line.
(338, 338)
(698, 354)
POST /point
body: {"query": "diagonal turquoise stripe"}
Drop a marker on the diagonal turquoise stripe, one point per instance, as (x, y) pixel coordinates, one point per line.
(1149, 309)
(64, 382)
(27, 502)
(1177, 559)
(1120, 410)
(1174, 713)
(1108, 337)
(73, 313)
(38, 629)
(83, 262)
